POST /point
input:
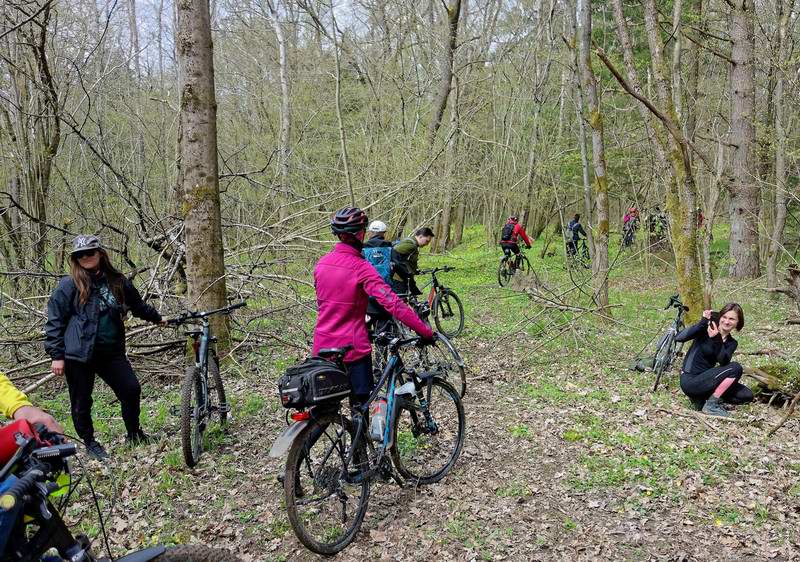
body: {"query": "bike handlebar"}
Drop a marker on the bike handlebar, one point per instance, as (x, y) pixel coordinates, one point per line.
(394, 342)
(437, 270)
(196, 315)
(675, 302)
(20, 489)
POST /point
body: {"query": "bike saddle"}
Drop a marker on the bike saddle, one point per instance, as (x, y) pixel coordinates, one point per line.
(335, 351)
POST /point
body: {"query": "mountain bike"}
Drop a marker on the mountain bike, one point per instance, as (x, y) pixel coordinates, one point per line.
(448, 312)
(201, 378)
(332, 461)
(578, 254)
(441, 357)
(510, 263)
(667, 348)
(31, 526)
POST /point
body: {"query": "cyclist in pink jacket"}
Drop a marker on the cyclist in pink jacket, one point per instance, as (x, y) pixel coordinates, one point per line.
(344, 281)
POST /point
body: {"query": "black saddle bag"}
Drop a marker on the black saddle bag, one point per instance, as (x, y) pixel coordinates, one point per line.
(314, 381)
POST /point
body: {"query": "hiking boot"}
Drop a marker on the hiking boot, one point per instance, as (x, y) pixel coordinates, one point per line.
(138, 438)
(713, 407)
(697, 403)
(96, 450)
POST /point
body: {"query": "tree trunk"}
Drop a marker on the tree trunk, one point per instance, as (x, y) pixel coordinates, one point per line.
(284, 160)
(781, 185)
(440, 103)
(600, 232)
(681, 189)
(744, 201)
(205, 266)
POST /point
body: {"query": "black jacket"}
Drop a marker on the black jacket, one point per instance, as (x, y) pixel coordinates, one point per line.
(705, 352)
(71, 328)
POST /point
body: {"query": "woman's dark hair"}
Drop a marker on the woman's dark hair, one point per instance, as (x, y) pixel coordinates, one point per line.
(577, 217)
(424, 231)
(83, 278)
(733, 306)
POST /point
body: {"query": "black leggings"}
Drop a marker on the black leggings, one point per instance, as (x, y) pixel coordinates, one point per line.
(702, 385)
(115, 369)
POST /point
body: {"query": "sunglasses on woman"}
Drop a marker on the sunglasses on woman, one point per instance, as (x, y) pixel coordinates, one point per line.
(84, 254)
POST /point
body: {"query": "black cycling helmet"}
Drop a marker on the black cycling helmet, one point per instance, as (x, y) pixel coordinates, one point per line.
(349, 219)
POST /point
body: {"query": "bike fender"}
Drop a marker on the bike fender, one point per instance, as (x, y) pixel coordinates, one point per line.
(143, 555)
(282, 444)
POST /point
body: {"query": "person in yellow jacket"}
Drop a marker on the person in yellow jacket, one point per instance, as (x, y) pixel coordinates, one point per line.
(15, 405)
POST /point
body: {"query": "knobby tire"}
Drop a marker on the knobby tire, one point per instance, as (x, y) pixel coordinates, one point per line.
(303, 477)
(411, 453)
(444, 303)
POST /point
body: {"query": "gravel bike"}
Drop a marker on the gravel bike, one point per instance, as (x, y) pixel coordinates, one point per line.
(448, 312)
(201, 381)
(510, 263)
(667, 348)
(332, 459)
(31, 526)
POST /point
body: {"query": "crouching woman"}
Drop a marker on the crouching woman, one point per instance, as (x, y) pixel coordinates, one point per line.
(708, 376)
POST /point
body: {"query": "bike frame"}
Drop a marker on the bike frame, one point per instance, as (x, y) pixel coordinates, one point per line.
(389, 378)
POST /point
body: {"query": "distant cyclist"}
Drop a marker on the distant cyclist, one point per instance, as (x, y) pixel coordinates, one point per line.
(576, 229)
(630, 224)
(512, 232)
(405, 258)
(343, 280)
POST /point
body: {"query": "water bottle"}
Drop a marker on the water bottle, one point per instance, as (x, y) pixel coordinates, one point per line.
(377, 415)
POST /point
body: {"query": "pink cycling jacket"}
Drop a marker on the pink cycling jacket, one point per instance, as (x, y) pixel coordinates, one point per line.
(344, 280)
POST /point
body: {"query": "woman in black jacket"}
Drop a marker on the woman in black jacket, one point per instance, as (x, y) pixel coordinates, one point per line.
(708, 376)
(85, 336)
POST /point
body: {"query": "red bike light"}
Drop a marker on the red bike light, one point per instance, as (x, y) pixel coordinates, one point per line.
(300, 416)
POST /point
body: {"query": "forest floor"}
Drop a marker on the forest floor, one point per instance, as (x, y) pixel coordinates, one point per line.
(568, 453)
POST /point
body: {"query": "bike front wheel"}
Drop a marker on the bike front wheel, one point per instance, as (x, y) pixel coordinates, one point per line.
(325, 506)
(214, 376)
(665, 354)
(429, 434)
(194, 415)
(448, 313)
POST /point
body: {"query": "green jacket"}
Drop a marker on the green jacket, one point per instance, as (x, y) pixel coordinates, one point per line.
(405, 256)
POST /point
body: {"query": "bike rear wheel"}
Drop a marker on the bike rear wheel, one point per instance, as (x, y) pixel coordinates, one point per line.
(448, 313)
(428, 439)
(194, 415)
(326, 511)
(505, 271)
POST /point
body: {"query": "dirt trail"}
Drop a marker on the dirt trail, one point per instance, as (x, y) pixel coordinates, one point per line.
(510, 498)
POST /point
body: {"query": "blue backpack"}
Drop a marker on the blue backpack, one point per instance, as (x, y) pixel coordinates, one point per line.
(381, 260)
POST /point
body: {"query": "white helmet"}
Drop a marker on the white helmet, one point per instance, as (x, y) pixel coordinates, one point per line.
(377, 226)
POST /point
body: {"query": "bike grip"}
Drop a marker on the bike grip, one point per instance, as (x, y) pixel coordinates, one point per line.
(18, 489)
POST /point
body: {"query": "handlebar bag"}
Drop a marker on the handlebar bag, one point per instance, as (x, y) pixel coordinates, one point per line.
(314, 381)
